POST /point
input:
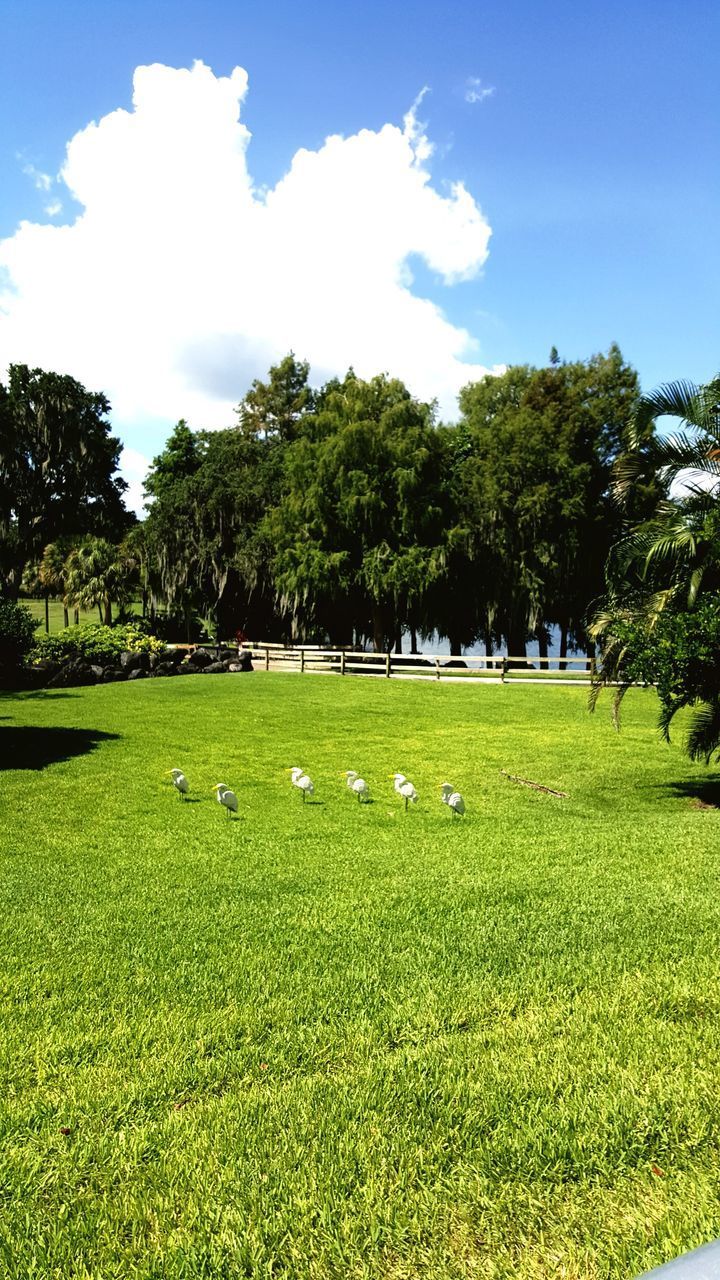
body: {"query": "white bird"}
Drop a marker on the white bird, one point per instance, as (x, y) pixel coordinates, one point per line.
(358, 785)
(405, 789)
(302, 781)
(180, 782)
(226, 797)
(452, 799)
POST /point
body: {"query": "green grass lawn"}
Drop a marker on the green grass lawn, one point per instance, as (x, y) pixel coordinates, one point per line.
(334, 1041)
(56, 616)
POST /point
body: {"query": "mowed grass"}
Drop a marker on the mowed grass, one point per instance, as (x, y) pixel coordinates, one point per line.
(340, 1041)
(56, 616)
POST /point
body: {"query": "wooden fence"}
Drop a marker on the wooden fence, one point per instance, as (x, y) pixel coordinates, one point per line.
(497, 669)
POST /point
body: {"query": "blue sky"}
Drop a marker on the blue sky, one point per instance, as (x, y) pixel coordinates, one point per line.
(594, 160)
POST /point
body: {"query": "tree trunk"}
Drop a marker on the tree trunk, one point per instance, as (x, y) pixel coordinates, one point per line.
(144, 603)
(378, 629)
(455, 645)
(66, 615)
(398, 638)
(517, 644)
(543, 648)
(108, 613)
(413, 641)
(100, 612)
(488, 642)
(47, 614)
(76, 617)
(562, 665)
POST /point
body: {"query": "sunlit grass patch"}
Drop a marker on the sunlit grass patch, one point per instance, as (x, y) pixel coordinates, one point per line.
(338, 1040)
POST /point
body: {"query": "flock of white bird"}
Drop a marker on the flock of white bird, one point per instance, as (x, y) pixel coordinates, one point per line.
(359, 787)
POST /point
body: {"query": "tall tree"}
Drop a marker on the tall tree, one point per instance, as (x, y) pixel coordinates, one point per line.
(535, 490)
(205, 550)
(276, 407)
(361, 515)
(58, 467)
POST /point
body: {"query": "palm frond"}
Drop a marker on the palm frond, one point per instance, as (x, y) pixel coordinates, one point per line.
(696, 578)
(703, 739)
(676, 399)
(617, 700)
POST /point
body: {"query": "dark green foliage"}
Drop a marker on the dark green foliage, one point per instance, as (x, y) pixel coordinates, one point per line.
(204, 545)
(17, 632)
(345, 513)
(93, 642)
(58, 466)
(532, 485)
(661, 618)
(680, 653)
(361, 513)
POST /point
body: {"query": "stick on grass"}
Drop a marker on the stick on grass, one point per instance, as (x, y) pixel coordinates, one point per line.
(537, 786)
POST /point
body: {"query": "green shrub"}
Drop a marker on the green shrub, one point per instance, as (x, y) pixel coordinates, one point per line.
(680, 653)
(17, 632)
(93, 642)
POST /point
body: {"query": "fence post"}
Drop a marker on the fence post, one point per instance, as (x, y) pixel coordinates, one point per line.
(267, 659)
(342, 662)
(437, 667)
(503, 673)
(302, 660)
(387, 665)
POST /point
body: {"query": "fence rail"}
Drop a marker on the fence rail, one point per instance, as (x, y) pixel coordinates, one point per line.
(495, 668)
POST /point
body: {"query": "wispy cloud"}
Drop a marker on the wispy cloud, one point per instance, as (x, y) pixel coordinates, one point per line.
(204, 281)
(41, 181)
(475, 91)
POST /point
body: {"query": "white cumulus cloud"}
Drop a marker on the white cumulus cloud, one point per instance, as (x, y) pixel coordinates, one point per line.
(179, 281)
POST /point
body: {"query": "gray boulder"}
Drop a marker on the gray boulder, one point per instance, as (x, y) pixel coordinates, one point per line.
(48, 667)
(138, 674)
(245, 665)
(199, 658)
(165, 669)
(214, 669)
(173, 656)
(134, 661)
(75, 672)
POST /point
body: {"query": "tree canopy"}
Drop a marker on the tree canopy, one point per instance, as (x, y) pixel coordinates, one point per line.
(58, 467)
(346, 512)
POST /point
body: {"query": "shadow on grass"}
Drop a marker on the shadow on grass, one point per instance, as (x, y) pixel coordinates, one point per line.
(33, 747)
(704, 792)
(29, 695)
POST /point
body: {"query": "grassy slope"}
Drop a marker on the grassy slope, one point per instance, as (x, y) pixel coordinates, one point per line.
(336, 1041)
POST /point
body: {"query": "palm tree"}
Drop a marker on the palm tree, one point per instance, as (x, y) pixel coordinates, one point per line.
(52, 575)
(691, 454)
(667, 562)
(133, 562)
(95, 578)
